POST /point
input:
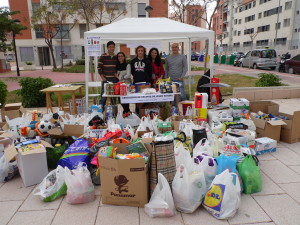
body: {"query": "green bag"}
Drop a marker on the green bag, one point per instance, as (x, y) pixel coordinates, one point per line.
(250, 174)
(185, 140)
(54, 154)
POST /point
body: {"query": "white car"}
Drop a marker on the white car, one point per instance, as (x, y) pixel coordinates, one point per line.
(260, 58)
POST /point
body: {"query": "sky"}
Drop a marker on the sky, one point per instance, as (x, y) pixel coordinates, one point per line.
(3, 3)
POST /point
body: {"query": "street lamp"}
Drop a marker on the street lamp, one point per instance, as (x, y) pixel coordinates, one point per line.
(149, 9)
(14, 41)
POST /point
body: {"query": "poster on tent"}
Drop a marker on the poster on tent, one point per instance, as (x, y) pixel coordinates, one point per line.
(93, 46)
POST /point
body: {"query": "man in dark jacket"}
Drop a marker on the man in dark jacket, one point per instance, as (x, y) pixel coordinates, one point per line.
(141, 67)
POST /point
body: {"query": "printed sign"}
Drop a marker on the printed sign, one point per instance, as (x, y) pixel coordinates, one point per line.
(93, 46)
(142, 98)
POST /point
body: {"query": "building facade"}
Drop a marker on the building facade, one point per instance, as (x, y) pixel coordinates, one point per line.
(31, 46)
(242, 25)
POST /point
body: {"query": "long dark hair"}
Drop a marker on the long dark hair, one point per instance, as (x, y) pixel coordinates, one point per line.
(121, 66)
(157, 59)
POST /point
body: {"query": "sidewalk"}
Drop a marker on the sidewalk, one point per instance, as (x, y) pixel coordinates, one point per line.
(278, 203)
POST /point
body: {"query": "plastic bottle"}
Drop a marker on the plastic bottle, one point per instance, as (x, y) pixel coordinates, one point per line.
(174, 111)
(109, 113)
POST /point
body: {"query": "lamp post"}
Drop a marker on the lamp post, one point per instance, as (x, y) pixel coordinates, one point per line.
(14, 41)
(149, 9)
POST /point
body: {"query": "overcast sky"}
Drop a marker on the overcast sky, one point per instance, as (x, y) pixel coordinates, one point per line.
(3, 3)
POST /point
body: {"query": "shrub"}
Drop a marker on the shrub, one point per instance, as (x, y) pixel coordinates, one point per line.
(3, 93)
(80, 62)
(28, 63)
(30, 91)
(268, 80)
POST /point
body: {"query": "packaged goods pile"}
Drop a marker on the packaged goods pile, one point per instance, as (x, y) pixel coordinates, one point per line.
(206, 157)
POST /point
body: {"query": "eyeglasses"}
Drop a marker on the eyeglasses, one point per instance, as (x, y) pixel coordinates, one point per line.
(175, 47)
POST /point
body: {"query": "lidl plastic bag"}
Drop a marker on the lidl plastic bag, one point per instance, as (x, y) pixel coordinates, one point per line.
(188, 188)
(209, 165)
(223, 197)
(76, 153)
(250, 174)
(80, 186)
(161, 203)
(227, 162)
(53, 185)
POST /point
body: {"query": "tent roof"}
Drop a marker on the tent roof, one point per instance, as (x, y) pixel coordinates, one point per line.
(149, 29)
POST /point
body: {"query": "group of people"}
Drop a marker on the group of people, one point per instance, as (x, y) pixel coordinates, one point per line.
(143, 68)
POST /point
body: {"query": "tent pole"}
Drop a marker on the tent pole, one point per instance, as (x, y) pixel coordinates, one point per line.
(87, 61)
(189, 66)
(211, 54)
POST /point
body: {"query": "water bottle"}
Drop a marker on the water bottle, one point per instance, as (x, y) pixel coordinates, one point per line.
(109, 113)
(174, 111)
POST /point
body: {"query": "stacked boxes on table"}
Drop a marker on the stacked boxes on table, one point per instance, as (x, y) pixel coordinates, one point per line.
(201, 102)
(239, 107)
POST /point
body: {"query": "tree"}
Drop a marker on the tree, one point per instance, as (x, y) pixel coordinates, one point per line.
(50, 18)
(7, 25)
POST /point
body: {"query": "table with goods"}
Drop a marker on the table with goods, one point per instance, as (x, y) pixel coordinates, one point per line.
(202, 155)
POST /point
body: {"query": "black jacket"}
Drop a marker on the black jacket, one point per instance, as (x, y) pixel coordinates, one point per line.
(141, 70)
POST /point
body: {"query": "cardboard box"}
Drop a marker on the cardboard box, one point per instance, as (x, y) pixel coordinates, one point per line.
(291, 132)
(80, 105)
(264, 128)
(12, 111)
(32, 164)
(69, 130)
(265, 145)
(124, 182)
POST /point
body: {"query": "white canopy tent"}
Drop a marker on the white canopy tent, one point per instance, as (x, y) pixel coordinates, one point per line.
(151, 29)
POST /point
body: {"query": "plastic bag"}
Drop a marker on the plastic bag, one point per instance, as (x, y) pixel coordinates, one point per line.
(182, 155)
(209, 166)
(75, 153)
(53, 185)
(188, 188)
(227, 162)
(161, 203)
(202, 147)
(250, 174)
(189, 112)
(130, 131)
(3, 169)
(224, 197)
(133, 120)
(80, 186)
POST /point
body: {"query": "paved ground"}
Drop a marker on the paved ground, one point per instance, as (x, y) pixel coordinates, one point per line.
(278, 203)
(12, 80)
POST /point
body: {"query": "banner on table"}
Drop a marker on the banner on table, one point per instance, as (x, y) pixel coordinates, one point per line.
(142, 98)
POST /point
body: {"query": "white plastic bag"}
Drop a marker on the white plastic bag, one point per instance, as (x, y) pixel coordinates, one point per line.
(53, 185)
(143, 125)
(189, 112)
(202, 148)
(3, 169)
(80, 186)
(130, 131)
(188, 188)
(182, 155)
(161, 203)
(224, 196)
(133, 120)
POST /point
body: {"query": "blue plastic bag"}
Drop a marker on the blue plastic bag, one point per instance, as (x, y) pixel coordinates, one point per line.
(75, 153)
(227, 162)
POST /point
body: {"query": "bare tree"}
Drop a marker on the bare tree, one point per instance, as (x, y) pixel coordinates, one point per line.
(252, 37)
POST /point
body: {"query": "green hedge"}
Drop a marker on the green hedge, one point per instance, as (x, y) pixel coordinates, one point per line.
(3, 93)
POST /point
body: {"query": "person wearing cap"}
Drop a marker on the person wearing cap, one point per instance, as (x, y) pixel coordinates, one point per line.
(107, 68)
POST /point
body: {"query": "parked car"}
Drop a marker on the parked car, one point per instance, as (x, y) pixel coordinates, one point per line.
(195, 56)
(293, 65)
(260, 58)
(237, 59)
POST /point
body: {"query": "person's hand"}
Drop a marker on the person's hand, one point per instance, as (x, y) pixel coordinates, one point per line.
(103, 78)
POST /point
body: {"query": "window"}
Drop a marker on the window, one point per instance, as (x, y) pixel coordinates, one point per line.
(234, 33)
(297, 57)
(26, 54)
(295, 30)
(259, 15)
(281, 41)
(254, 3)
(263, 28)
(240, 21)
(270, 53)
(273, 11)
(255, 53)
(66, 50)
(237, 44)
(277, 26)
(236, 10)
(262, 42)
(235, 21)
(286, 22)
(263, 1)
(241, 9)
(288, 5)
(239, 33)
(35, 7)
(39, 32)
(141, 10)
(247, 44)
(60, 5)
(82, 29)
(249, 18)
(64, 32)
(298, 12)
(116, 6)
(249, 31)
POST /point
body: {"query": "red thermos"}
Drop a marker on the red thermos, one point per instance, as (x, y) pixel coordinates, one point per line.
(215, 92)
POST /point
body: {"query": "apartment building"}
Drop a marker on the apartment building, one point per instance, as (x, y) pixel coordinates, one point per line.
(31, 45)
(241, 25)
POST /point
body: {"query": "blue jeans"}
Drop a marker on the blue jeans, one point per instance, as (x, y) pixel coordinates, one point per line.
(182, 91)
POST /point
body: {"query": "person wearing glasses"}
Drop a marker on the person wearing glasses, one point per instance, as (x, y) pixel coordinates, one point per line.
(176, 68)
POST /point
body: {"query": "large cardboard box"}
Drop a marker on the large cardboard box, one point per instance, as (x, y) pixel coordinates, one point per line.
(32, 164)
(271, 129)
(12, 111)
(124, 182)
(291, 132)
(69, 130)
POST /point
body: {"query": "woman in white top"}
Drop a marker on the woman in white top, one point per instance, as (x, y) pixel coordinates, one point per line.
(124, 74)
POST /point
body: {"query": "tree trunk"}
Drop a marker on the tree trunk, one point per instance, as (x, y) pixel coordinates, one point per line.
(52, 55)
